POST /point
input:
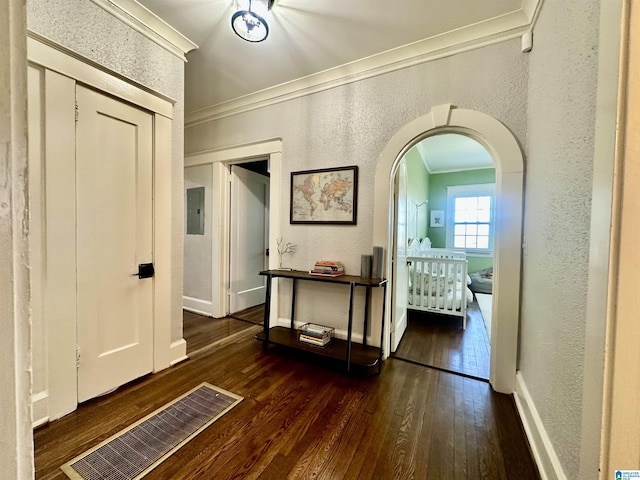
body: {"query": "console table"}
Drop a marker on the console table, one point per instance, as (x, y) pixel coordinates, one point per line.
(344, 350)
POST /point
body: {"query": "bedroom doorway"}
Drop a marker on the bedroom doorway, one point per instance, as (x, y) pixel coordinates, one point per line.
(264, 156)
(509, 164)
(448, 173)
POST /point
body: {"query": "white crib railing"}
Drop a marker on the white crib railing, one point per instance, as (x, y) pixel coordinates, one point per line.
(438, 283)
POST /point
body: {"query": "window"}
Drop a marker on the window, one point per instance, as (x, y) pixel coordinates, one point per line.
(470, 217)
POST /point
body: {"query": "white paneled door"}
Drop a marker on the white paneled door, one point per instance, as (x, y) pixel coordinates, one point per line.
(400, 274)
(248, 238)
(114, 194)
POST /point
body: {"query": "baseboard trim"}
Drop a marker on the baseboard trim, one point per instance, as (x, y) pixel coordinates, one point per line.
(178, 352)
(196, 305)
(40, 408)
(543, 452)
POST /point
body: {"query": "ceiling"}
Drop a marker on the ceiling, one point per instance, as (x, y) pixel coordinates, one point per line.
(314, 42)
(453, 152)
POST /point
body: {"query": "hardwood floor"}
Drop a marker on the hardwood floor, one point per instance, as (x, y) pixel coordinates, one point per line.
(302, 420)
(201, 332)
(438, 341)
(253, 314)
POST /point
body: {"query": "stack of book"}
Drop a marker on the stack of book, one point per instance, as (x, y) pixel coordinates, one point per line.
(328, 268)
(313, 334)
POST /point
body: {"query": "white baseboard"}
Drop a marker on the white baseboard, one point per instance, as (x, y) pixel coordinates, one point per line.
(541, 447)
(40, 408)
(178, 352)
(196, 305)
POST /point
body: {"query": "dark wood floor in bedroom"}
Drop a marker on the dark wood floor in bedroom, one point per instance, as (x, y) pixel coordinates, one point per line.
(302, 420)
(439, 341)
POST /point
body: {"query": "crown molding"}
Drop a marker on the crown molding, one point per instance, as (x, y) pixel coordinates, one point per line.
(148, 24)
(531, 9)
(488, 32)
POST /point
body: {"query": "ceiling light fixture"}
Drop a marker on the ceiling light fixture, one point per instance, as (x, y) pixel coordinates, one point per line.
(248, 22)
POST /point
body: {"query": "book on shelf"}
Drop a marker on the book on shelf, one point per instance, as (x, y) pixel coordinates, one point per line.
(329, 264)
(326, 274)
(314, 334)
(321, 342)
(328, 268)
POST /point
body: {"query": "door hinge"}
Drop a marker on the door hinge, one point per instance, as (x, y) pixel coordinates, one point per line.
(77, 357)
(77, 111)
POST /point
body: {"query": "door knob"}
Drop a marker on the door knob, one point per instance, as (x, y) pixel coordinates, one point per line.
(145, 270)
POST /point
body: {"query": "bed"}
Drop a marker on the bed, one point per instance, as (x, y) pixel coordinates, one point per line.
(438, 280)
(482, 281)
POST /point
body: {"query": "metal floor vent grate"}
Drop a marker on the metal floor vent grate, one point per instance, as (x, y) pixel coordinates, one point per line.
(133, 452)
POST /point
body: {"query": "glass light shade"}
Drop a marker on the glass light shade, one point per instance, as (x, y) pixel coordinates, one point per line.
(248, 22)
(249, 26)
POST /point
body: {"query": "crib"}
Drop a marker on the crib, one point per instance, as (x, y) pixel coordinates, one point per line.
(438, 280)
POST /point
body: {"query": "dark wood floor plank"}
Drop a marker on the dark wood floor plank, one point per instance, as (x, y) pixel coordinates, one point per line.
(442, 451)
(385, 465)
(380, 419)
(252, 314)
(300, 420)
(470, 434)
(439, 341)
(406, 446)
(461, 461)
(203, 331)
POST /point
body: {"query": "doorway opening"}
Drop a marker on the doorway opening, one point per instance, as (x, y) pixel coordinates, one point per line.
(444, 203)
(509, 165)
(243, 209)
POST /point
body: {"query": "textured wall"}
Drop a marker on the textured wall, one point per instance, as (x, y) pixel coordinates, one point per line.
(198, 248)
(87, 29)
(351, 124)
(16, 438)
(561, 124)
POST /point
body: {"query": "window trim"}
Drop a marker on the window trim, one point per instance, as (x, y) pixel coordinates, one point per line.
(475, 190)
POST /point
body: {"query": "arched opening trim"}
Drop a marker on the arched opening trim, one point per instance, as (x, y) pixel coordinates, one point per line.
(509, 164)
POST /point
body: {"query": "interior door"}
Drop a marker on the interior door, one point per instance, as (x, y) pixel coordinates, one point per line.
(114, 231)
(248, 238)
(400, 274)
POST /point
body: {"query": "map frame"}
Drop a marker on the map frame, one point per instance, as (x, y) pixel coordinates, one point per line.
(339, 208)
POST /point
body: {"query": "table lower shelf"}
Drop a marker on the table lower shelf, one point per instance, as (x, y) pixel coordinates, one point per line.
(361, 355)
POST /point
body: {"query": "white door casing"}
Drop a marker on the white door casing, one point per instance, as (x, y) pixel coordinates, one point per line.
(55, 392)
(400, 274)
(248, 238)
(271, 150)
(114, 186)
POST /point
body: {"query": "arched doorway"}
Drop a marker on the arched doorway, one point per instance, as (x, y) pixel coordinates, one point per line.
(445, 171)
(509, 163)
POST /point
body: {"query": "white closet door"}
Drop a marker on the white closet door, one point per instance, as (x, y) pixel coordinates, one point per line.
(114, 188)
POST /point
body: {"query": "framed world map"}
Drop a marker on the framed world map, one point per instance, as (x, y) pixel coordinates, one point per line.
(325, 196)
